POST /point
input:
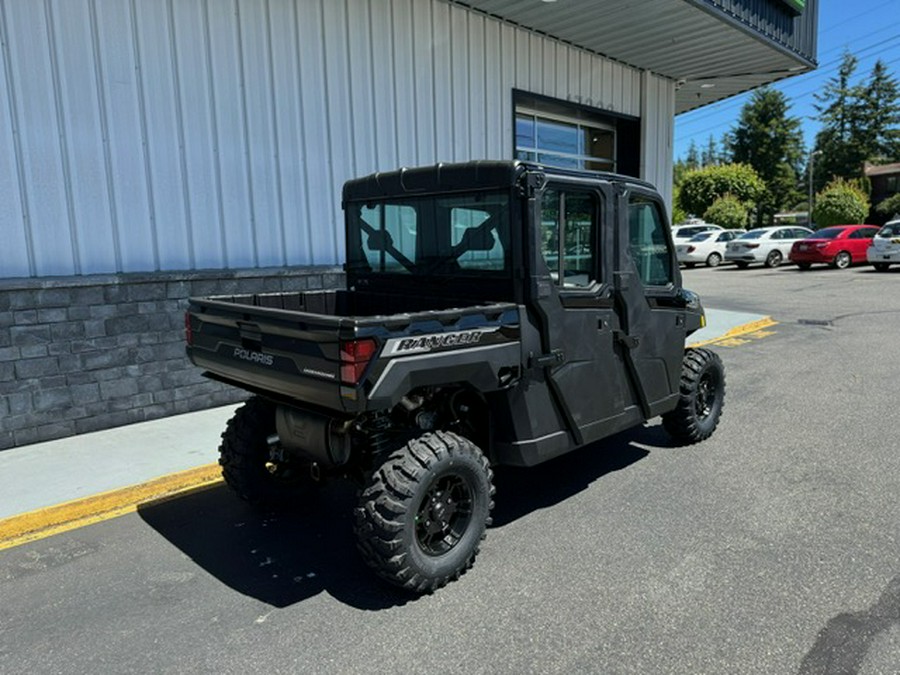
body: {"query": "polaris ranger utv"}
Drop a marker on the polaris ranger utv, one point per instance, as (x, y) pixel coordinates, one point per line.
(495, 313)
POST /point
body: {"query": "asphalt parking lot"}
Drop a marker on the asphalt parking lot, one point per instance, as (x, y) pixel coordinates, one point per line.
(773, 547)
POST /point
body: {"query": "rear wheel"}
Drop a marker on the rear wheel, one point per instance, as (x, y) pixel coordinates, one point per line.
(690, 265)
(247, 461)
(881, 267)
(742, 265)
(773, 259)
(842, 260)
(713, 260)
(702, 397)
(804, 266)
(423, 514)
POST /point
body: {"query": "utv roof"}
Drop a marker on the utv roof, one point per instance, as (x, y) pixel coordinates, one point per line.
(479, 174)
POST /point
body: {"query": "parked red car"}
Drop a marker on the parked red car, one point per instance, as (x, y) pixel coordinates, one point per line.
(839, 246)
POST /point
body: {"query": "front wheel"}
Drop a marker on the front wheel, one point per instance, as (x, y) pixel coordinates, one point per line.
(774, 259)
(423, 514)
(702, 397)
(713, 259)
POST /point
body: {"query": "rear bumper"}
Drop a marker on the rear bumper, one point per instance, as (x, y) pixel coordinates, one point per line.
(873, 256)
(809, 257)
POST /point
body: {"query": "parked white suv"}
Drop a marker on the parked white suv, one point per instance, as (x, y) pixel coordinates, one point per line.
(885, 248)
(767, 245)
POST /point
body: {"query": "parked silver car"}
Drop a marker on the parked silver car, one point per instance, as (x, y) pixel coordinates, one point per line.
(767, 245)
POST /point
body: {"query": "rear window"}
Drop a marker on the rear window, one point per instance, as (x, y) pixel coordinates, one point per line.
(703, 236)
(827, 233)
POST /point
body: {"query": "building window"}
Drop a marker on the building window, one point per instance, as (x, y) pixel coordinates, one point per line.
(569, 143)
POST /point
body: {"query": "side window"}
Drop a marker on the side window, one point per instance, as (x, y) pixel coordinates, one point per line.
(568, 241)
(647, 242)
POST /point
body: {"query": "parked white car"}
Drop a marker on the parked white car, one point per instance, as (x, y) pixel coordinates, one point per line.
(706, 247)
(682, 233)
(767, 245)
(885, 248)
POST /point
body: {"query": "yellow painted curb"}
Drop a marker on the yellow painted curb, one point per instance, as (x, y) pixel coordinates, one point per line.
(752, 327)
(34, 525)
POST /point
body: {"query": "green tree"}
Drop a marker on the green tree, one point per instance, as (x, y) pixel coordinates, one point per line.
(839, 203)
(692, 161)
(877, 116)
(770, 141)
(699, 189)
(838, 109)
(710, 155)
(727, 211)
(890, 207)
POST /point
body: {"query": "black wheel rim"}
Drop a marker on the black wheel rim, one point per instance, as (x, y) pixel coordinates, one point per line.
(444, 515)
(707, 390)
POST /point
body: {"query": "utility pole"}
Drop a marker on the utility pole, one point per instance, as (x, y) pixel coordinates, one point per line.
(811, 167)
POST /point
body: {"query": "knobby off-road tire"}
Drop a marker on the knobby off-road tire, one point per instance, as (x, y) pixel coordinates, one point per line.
(702, 392)
(423, 514)
(244, 452)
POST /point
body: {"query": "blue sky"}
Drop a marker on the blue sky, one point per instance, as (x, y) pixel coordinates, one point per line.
(870, 29)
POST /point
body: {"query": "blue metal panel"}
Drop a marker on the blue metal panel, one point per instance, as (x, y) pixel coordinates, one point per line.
(41, 159)
(126, 141)
(198, 135)
(82, 129)
(15, 254)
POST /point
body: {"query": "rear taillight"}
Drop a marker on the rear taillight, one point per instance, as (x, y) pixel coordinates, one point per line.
(355, 356)
(751, 245)
(188, 329)
(822, 244)
(691, 249)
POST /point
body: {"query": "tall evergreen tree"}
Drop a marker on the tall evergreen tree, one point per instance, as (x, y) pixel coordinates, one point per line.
(838, 108)
(692, 161)
(877, 117)
(770, 141)
(710, 155)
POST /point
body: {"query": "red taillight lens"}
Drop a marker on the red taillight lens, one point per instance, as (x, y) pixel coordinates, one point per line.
(822, 244)
(752, 245)
(355, 356)
(188, 330)
(691, 249)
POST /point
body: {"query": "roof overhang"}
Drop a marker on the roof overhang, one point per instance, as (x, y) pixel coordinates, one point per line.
(710, 54)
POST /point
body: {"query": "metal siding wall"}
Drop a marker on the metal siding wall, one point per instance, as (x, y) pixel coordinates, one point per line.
(191, 134)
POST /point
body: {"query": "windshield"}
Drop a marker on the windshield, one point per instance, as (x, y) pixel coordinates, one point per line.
(890, 230)
(827, 233)
(428, 236)
(753, 234)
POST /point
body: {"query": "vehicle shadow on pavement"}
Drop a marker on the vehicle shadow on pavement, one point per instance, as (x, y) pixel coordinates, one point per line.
(284, 558)
(278, 558)
(521, 491)
(844, 643)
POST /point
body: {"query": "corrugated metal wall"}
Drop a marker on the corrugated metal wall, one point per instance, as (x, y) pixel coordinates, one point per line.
(141, 135)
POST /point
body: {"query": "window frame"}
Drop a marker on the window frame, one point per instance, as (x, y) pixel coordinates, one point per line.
(597, 245)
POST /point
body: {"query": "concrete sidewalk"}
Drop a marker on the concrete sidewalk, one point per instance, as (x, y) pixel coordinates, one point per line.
(47, 474)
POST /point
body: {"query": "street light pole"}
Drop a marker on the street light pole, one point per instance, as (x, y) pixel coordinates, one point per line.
(812, 165)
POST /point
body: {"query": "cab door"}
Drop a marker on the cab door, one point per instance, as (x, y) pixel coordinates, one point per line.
(573, 259)
(649, 301)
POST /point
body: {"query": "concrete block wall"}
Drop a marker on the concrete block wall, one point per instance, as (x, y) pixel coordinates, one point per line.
(78, 354)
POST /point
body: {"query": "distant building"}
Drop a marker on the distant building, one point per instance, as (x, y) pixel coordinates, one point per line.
(156, 149)
(885, 181)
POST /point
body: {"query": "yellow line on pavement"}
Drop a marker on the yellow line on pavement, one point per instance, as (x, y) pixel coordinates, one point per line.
(26, 527)
(745, 329)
